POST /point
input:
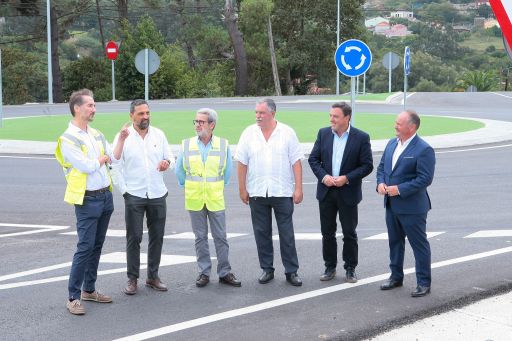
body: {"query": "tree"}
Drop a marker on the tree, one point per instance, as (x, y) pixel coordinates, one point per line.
(482, 80)
(241, 76)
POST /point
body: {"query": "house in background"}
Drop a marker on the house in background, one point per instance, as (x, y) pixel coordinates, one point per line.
(402, 15)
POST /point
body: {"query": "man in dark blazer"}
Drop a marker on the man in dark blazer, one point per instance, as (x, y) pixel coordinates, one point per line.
(340, 159)
(405, 171)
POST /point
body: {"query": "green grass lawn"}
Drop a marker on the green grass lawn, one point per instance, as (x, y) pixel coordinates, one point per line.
(178, 125)
(480, 42)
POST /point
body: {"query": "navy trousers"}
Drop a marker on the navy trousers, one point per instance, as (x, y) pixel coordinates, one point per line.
(412, 226)
(92, 218)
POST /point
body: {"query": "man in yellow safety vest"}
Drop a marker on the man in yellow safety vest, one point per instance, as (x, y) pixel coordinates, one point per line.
(85, 155)
(204, 167)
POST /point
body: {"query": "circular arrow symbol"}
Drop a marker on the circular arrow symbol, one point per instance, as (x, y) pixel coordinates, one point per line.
(353, 58)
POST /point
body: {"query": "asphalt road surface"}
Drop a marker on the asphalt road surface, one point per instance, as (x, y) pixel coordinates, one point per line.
(471, 197)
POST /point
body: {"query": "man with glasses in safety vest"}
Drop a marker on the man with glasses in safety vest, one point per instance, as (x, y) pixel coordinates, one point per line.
(204, 166)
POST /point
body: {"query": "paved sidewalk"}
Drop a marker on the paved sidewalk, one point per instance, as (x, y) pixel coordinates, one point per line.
(487, 320)
(493, 132)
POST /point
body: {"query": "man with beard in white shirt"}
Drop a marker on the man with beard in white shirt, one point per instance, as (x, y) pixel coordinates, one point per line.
(143, 153)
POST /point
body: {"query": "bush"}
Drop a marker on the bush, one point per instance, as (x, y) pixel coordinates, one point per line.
(88, 73)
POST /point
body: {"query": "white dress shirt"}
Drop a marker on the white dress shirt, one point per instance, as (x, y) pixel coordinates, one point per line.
(400, 147)
(136, 172)
(269, 163)
(97, 176)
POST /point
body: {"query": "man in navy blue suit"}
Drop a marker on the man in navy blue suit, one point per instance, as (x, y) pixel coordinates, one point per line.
(405, 171)
(340, 159)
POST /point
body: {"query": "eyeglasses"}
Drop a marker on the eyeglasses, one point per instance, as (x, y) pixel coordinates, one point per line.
(200, 122)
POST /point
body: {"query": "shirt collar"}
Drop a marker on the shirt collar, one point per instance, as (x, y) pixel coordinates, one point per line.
(342, 135)
(76, 129)
(406, 142)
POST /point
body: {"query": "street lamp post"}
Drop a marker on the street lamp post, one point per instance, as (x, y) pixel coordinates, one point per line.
(49, 39)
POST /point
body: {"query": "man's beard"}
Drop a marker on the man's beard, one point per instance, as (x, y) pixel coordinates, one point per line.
(143, 125)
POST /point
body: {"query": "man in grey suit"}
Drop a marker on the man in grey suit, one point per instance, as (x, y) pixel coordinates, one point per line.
(405, 171)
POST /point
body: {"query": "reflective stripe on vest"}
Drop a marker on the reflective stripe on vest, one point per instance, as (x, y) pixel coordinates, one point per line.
(76, 180)
(204, 181)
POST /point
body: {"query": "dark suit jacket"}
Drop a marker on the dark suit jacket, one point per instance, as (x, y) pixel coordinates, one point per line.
(357, 162)
(413, 173)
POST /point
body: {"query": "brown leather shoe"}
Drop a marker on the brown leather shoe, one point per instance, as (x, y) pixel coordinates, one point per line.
(131, 287)
(230, 279)
(156, 284)
(202, 280)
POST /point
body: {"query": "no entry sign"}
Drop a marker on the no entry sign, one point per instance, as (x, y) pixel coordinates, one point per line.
(112, 50)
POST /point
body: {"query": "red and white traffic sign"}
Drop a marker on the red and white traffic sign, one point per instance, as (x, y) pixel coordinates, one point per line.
(112, 50)
(503, 12)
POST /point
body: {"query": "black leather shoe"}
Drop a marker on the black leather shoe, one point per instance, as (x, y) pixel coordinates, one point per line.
(294, 279)
(202, 280)
(328, 275)
(351, 276)
(266, 277)
(390, 284)
(420, 291)
(230, 279)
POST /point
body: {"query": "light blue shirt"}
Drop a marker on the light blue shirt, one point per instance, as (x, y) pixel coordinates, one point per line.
(204, 150)
(338, 148)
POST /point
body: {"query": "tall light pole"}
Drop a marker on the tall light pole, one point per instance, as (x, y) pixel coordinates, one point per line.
(338, 44)
(49, 38)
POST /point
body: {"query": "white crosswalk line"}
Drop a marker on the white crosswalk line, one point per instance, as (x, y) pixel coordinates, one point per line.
(41, 228)
(384, 236)
(110, 233)
(191, 236)
(114, 257)
(305, 236)
(490, 234)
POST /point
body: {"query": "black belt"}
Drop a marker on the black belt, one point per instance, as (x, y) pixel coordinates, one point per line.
(96, 192)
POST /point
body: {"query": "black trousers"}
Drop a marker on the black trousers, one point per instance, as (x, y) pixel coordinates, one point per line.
(331, 207)
(261, 215)
(155, 210)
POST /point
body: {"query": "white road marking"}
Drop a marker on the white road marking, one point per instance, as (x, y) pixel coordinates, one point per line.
(305, 236)
(115, 257)
(110, 233)
(27, 157)
(191, 236)
(495, 93)
(473, 149)
(384, 236)
(295, 298)
(42, 228)
(490, 234)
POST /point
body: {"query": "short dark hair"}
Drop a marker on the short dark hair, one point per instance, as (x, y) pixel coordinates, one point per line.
(345, 108)
(77, 98)
(271, 105)
(414, 118)
(136, 103)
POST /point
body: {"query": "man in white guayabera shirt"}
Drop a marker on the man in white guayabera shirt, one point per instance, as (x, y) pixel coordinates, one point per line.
(270, 178)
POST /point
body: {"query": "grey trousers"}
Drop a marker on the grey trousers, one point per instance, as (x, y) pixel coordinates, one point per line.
(218, 229)
(155, 210)
(261, 215)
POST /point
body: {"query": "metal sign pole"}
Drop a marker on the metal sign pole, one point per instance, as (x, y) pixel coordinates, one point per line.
(364, 83)
(389, 75)
(353, 98)
(405, 90)
(338, 44)
(113, 82)
(146, 75)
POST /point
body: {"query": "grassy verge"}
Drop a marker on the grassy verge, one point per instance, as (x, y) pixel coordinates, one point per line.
(178, 125)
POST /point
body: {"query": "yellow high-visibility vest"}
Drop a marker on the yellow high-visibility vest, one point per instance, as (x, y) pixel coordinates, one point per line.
(76, 180)
(204, 182)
